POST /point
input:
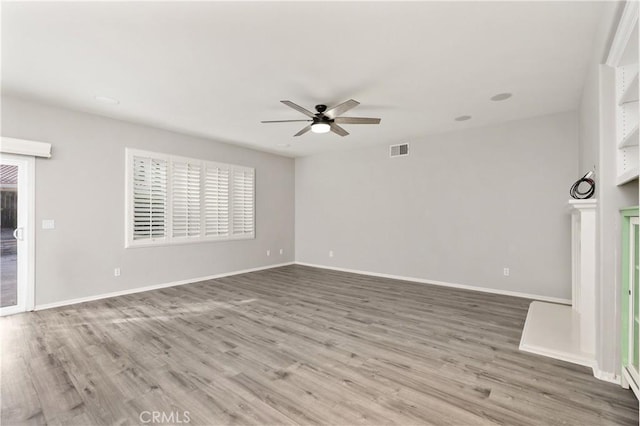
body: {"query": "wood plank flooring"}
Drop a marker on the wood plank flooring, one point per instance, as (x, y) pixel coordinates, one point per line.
(294, 345)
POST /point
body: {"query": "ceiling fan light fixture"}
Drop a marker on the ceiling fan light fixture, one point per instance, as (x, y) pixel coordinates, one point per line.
(320, 127)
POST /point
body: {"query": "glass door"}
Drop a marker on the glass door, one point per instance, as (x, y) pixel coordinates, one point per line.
(16, 182)
(634, 301)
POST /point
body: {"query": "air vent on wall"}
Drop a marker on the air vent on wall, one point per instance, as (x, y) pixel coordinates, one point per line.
(399, 150)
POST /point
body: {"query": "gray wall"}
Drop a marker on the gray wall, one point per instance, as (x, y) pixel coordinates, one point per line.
(597, 147)
(458, 209)
(82, 189)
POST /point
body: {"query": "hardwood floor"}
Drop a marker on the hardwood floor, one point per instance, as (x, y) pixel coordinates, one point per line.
(294, 345)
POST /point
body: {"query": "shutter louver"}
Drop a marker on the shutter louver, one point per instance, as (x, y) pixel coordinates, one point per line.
(185, 199)
(243, 201)
(216, 201)
(149, 198)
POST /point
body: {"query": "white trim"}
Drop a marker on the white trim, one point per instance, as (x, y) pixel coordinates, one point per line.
(623, 33)
(443, 284)
(591, 203)
(628, 382)
(154, 287)
(606, 376)
(25, 147)
(179, 241)
(562, 356)
(30, 281)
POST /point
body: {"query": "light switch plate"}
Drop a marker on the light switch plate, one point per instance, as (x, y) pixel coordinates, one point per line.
(48, 224)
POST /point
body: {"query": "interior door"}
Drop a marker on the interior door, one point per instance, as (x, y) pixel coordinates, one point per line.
(16, 234)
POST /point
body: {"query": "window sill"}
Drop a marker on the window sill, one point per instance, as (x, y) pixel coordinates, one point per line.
(184, 241)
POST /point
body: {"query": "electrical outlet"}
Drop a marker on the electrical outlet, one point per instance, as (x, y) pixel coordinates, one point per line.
(268, 252)
(281, 252)
(505, 271)
(330, 253)
(116, 272)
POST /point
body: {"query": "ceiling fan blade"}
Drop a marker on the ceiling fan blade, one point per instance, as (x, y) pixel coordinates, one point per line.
(303, 131)
(283, 121)
(299, 108)
(356, 120)
(342, 108)
(337, 129)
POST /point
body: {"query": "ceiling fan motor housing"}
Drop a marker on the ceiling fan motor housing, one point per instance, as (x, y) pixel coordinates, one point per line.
(320, 117)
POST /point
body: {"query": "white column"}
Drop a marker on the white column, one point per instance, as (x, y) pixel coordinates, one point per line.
(583, 255)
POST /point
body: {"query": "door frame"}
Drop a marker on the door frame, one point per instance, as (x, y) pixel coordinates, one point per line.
(26, 221)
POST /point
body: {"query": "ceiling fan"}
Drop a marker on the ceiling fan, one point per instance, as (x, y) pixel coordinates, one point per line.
(327, 120)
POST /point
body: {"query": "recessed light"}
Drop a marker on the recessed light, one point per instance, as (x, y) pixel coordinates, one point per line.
(463, 118)
(106, 100)
(501, 96)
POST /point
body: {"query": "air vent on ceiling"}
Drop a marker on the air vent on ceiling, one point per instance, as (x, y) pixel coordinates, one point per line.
(399, 150)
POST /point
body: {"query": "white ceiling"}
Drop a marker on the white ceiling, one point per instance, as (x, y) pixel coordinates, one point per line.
(216, 69)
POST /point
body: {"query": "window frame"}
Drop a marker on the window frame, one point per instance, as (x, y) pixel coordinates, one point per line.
(168, 239)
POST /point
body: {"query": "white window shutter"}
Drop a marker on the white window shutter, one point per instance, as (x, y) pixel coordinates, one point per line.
(185, 199)
(173, 200)
(243, 200)
(149, 198)
(216, 201)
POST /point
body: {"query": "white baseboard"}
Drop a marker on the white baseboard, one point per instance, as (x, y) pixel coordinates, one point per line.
(586, 362)
(154, 287)
(244, 271)
(607, 376)
(443, 284)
